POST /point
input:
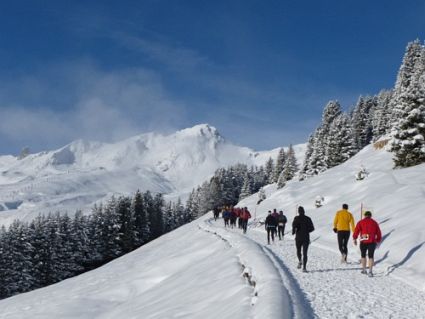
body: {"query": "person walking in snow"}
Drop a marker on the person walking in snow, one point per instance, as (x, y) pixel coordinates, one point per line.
(245, 216)
(343, 221)
(232, 217)
(281, 222)
(216, 212)
(302, 226)
(226, 216)
(370, 236)
(270, 224)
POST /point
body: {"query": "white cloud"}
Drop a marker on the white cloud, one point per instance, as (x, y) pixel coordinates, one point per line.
(91, 104)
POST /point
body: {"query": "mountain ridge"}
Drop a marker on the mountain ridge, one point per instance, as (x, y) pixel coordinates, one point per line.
(83, 172)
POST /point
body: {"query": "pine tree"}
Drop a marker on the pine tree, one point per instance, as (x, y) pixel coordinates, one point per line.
(269, 168)
(126, 224)
(80, 241)
(141, 224)
(280, 162)
(381, 121)
(19, 275)
(340, 144)
(405, 73)
(307, 157)
(156, 216)
(316, 160)
(408, 143)
(246, 187)
(362, 121)
(110, 231)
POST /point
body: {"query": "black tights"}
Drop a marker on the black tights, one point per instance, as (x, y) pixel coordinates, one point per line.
(343, 237)
(304, 245)
(271, 230)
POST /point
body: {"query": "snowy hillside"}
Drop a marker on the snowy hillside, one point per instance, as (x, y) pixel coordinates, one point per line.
(203, 270)
(82, 173)
(395, 198)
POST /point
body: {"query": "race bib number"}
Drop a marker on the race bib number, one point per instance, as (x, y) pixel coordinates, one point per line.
(280, 224)
(364, 237)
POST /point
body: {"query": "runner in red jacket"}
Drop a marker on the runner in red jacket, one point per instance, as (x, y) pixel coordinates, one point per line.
(370, 235)
(245, 215)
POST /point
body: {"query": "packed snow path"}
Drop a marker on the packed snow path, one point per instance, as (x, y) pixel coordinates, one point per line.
(335, 290)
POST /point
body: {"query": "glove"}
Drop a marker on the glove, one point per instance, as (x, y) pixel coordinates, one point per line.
(335, 230)
(355, 242)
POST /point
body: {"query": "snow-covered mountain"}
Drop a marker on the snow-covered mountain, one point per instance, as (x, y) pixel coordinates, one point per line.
(82, 172)
(203, 270)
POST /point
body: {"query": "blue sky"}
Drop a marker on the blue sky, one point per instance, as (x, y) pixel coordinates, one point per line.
(259, 71)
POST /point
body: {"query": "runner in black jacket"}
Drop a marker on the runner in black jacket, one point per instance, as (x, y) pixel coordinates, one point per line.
(302, 226)
(270, 224)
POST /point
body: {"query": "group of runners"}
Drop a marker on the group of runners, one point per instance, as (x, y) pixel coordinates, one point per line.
(366, 231)
(231, 215)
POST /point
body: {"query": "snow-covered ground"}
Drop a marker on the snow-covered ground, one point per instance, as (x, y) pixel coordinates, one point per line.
(82, 173)
(202, 270)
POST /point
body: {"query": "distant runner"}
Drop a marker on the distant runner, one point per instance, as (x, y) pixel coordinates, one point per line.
(270, 225)
(281, 222)
(245, 216)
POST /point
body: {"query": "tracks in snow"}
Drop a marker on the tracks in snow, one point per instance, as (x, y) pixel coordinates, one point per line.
(275, 291)
(329, 290)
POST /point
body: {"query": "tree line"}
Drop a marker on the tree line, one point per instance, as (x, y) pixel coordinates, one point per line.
(230, 185)
(54, 247)
(397, 114)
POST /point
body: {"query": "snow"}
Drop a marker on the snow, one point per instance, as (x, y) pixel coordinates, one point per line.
(83, 172)
(203, 270)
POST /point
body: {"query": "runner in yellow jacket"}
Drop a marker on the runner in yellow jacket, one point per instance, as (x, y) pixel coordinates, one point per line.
(343, 222)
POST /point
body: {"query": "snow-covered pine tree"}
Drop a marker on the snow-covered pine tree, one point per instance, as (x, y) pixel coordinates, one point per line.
(291, 165)
(408, 143)
(215, 193)
(126, 224)
(141, 223)
(361, 121)
(381, 121)
(179, 213)
(269, 168)
(155, 215)
(260, 178)
(109, 231)
(405, 73)
(66, 251)
(316, 161)
(246, 189)
(308, 153)
(340, 144)
(192, 205)
(4, 263)
(19, 274)
(80, 241)
(170, 220)
(280, 162)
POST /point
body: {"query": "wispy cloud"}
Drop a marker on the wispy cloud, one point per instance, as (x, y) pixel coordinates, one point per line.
(104, 106)
(173, 56)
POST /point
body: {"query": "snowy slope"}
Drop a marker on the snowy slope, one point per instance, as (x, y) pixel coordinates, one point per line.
(81, 173)
(395, 197)
(203, 270)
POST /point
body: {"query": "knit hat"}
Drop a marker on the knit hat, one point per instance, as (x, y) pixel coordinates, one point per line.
(368, 214)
